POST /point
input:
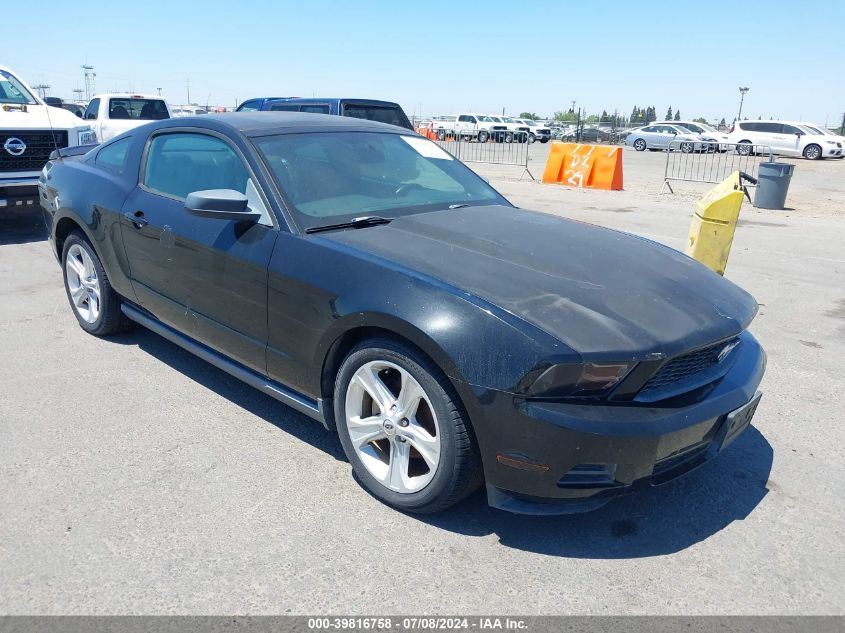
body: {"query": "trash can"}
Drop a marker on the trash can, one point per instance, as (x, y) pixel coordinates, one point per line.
(772, 185)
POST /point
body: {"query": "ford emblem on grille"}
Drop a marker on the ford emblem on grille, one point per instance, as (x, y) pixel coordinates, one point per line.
(14, 146)
(726, 350)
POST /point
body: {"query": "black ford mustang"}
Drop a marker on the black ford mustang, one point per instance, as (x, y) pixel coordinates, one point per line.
(361, 275)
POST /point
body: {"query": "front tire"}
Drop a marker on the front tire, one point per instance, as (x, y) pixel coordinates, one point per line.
(483, 136)
(639, 145)
(95, 304)
(532, 137)
(509, 137)
(813, 152)
(403, 428)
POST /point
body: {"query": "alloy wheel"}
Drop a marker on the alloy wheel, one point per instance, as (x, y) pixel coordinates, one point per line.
(392, 426)
(83, 283)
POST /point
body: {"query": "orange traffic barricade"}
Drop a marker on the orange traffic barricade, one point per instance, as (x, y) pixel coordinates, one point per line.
(584, 166)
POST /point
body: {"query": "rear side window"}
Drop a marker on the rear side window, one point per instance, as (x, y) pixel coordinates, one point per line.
(181, 163)
(139, 109)
(113, 156)
(284, 107)
(382, 114)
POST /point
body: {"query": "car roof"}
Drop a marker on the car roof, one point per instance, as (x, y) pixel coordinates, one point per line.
(127, 95)
(318, 100)
(267, 123)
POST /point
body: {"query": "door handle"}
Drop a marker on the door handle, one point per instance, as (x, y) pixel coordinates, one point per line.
(137, 219)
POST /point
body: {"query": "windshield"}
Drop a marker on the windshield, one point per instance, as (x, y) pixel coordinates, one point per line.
(139, 109)
(814, 130)
(485, 119)
(331, 177)
(684, 130)
(13, 91)
(495, 118)
(507, 119)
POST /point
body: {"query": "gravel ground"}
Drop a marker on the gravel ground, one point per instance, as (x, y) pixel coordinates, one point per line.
(137, 479)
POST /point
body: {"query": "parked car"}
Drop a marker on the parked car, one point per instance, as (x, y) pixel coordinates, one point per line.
(29, 131)
(660, 137)
(703, 129)
(783, 138)
(369, 109)
(513, 132)
(812, 128)
(256, 104)
(74, 108)
(471, 126)
(114, 114)
(536, 131)
(366, 278)
(183, 111)
(521, 131)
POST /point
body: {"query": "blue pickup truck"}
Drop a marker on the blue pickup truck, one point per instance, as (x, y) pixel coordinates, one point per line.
(370, 109)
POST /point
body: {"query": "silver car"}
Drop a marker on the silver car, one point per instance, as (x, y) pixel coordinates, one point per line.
(659, 137)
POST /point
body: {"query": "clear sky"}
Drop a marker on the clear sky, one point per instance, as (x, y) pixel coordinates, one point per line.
(440, 56)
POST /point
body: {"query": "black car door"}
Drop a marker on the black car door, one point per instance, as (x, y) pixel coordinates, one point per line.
(206, 277)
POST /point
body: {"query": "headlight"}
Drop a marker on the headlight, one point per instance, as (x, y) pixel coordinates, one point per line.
(580, 380)
(86, 136)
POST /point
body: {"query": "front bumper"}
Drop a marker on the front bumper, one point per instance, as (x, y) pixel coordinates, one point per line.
(560, 458)
(18, 194)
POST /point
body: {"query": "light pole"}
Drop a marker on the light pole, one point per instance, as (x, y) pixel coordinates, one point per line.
(742, 91)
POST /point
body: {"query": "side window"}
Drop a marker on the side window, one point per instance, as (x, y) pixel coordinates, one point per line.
(113, 156)
(315, 109)
(770, 128)
(249, 106)
(791, 129)
(91, 110)
(284, 107)
(180, 163)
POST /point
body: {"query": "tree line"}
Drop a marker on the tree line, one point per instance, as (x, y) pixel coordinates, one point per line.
(639, 116)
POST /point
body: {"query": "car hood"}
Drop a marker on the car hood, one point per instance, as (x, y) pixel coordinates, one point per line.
(601, 292)
(36, 118)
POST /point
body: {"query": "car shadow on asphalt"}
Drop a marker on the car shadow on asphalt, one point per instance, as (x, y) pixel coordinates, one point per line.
(257, 403)
(22, 229)
(654, 522)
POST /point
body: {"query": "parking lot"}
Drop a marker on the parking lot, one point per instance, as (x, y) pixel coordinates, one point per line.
(136, 478)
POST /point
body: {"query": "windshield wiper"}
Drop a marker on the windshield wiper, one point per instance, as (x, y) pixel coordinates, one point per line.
(354, 223)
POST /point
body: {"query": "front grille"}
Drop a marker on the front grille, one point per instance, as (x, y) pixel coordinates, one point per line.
(684, 369)
(39, 144)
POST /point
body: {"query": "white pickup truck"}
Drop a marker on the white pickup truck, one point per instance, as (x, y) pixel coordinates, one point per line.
(29, 131)
(114, 114)
(479, 127)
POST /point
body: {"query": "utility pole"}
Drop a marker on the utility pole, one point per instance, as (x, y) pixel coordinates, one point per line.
(89, 73)
(188, 86)
(159, 91)
(42, 89)
(842, 127)
(742, 91)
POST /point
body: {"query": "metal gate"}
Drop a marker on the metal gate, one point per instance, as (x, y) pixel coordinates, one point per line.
(702, 161)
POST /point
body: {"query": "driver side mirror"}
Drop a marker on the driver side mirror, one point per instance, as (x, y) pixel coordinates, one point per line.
(222, 204)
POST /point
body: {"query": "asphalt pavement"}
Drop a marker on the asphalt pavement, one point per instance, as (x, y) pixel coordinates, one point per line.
(138, 479)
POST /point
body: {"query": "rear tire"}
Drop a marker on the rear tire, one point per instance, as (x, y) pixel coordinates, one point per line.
(813, 152)
(94, 302)
(383, 453)
(744, 148)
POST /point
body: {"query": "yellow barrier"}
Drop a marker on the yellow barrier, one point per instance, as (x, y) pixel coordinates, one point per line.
(711, 232)
(584, 166)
